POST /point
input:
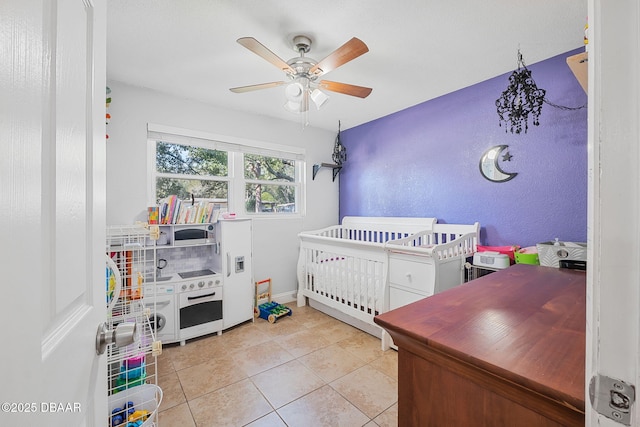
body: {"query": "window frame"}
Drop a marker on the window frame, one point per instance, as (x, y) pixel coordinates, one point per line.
(236, 148)
(296, 183)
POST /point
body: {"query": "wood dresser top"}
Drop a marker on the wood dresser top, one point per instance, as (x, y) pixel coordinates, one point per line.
(525, 323)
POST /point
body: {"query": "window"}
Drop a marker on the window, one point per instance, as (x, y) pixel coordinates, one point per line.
(191, 173)
(270, 184)
(247, 177)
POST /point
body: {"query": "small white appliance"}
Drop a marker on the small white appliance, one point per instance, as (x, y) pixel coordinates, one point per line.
(553, 254)
(163, 309)
(199, 300)
(491, 259)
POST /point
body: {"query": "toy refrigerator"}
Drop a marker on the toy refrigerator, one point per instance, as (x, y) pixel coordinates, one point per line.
(232, 258)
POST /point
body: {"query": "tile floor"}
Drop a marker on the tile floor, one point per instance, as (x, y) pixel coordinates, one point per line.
(307, 369)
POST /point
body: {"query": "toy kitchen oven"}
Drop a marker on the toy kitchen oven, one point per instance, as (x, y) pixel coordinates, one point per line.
(188, 305)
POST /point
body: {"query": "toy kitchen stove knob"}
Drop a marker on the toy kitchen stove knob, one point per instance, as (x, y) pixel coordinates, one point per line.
(201, 284)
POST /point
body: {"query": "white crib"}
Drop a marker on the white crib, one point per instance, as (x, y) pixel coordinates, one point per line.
(343, 269)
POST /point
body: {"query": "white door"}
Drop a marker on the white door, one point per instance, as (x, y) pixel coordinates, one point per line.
(52, 205)
(613, 283)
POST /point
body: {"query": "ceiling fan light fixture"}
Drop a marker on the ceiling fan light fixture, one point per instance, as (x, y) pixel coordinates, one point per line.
(292, 107)
(302, 73)
(294, 91)
(319, 98)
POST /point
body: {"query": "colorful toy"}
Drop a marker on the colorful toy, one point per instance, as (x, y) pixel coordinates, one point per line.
(141, 415)
(133, 372)
(118, 414)
(270, 310)
(134, 362)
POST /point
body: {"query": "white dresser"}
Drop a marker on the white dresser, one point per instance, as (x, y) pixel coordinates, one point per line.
(411, 278)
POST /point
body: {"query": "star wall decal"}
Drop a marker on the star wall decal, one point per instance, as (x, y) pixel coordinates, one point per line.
(507, 157)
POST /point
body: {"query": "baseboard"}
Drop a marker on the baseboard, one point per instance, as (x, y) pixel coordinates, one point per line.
(282, 298)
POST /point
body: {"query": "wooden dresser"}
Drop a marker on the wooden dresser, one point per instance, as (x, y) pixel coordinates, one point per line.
(507, 349)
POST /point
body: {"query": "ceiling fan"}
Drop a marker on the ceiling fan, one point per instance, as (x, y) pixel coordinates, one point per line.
(303, 73)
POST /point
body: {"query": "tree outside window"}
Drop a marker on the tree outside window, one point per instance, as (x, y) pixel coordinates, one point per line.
(270, 184)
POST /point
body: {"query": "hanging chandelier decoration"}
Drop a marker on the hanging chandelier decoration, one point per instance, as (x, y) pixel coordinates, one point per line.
(521, 99)
(339, 151)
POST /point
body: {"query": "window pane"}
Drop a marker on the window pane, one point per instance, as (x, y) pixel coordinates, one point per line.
(270, 198)
(184, 188)
(188, 160)
(268, 168)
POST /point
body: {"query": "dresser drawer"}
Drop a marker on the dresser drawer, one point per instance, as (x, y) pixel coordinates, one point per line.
(412, 273)
(400, 297)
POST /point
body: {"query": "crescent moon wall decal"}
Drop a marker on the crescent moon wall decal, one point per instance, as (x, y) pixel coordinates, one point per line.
(489, 167)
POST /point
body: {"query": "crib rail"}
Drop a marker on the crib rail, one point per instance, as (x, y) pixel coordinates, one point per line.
(357, 234)
(445, 241)
(349, 275)
(352, 280)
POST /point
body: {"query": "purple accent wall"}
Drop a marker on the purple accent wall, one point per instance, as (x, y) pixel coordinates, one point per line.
(424, 161)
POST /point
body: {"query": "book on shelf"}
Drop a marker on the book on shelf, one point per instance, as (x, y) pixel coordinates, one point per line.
(153, 214)
(172, 210)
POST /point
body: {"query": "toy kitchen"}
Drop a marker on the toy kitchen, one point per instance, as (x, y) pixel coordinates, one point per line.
(203, 281)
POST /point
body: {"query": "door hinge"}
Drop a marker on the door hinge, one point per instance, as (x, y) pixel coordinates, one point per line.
(612, 398)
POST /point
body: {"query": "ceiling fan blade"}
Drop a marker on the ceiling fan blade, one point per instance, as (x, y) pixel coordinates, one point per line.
(345, 53)
(250, 88)
(261, 50)
(347, 89)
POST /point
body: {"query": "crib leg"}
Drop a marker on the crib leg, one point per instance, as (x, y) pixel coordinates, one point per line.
(385, 341)
(302, 300)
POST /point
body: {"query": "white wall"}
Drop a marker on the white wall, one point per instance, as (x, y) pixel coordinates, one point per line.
(275, 240)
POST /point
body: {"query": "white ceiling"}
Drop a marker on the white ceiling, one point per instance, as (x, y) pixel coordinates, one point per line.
(418, 49)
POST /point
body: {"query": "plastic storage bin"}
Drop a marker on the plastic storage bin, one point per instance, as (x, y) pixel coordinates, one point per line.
(507, 250)
(527, 255)
(145, 397)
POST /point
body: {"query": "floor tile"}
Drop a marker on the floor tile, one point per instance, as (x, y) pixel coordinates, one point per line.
(235, 405)
(177, 416)
(387, 364)
(284, 326)
(307, 369)
(368, 389)
(243, 336)
(287, 382)
(270, 420)
(172, 394)
(164, 364)
(363, 346)
(311, 317)
(332, 362)
(210, 346)
(209, 376)
(303, 342)
(388, 418)
(185, 356)
(261, 357)
(335, 330)
(323, 407)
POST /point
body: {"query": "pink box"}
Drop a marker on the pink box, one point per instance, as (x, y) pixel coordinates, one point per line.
(134, 362)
